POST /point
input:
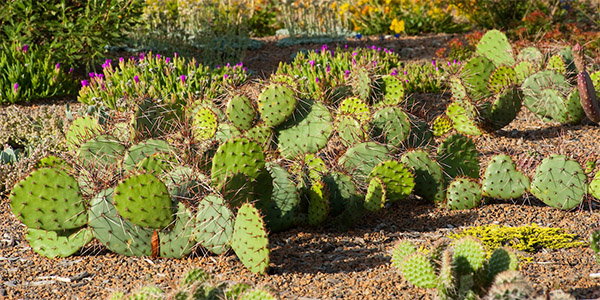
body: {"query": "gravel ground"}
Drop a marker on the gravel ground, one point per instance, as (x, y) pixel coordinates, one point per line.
(319, 263)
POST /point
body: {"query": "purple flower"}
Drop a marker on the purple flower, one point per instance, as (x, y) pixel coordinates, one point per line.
(374, 63)
(328, 68)
(71, 70)
(157, 56)
(183, 77)
(354, 54)
(106, 64)
(218, 67)
(57, 66)
(346, 73)
(225, 76)
(121, 60)
(317, 80)
(92, 75)
(324, 48)
(346, 46)
(433, 62)
(136, 79)
(84, 83)
(311, 63)
(167, 60)
(25, 48)
(175, 54)
(354, 62)
(100, 76)
(16, 87)
(397, 35)
(394, 72)
(142, 55)
(227, 65)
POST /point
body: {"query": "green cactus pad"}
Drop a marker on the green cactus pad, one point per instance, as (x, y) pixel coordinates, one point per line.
(392, 125)
(52, 161)
(226, 132)
(281, 211)
(257, 294)
(153, 119)
(53, 244)
(307, 131)
(502, 78)
(140, 151)
(545, 95)
(501, 109)
(523, 70)
(401, 251)
(361, 83)
(495, 46)
(237, 189)
(144, 200)
(397, 179)
(458, 155)
(48, 199)
(240, 112)
(276, 104)
(464, 117)
(340, 189)
(463, 193)
(81, 130)
(262, 134)
(157, 164)
(392, 89)
(103, 151)
(349, 130)
(594, 186)
(177, 242)
(457, 88)
(118, 235)
(502, 180)
(375, 198)
(420, 136)
(429, 179)
(531, 54)
(502, 259)
(238, 155)
(418, 270)
(475, 74)
(362, 158)
(249, 239)
(204, 123)
(214, 224)
(468, 255)
(556, 63)
(356, 108)
(559, 182)
(442, 124)
(318, 205)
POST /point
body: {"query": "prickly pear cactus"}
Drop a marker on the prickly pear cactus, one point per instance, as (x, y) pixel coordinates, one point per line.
(502, 259)
(392, 89)
(177, 241)
(238, 155)
(205, 123)
(53, 244)
(349, 130)
(397, 179)
(318, 203)
(144, 200)
(362, 158)
(49, 199)
(138, 152)
(468, 255)
(458, 156)
(465, 117)
(307, 131)
(429, 178)
(501, 109)
(418, 270)
(559, 182)
(117, 234)
(355, 108)
(214, 224)
(475, 74)
(495, 46)
(282, 209)
(375, 197)
(81, 130)
(442, 124)
(249, 239)
(276, 103)
(463, 193)
(240, 112)
(503, 77)
(391, 125)
(502, 180)
(101, 152)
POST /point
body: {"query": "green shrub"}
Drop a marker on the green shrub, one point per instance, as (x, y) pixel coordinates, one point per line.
(27, 72)
(74, 31)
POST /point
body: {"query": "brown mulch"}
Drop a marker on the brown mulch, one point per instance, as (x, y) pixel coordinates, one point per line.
(318, 263)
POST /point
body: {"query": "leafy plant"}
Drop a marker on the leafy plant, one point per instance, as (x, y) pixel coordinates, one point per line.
(29, 73)
(75, 32)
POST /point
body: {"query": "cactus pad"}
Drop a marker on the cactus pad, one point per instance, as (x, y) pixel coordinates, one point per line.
(502, 78)
(392, 89)
(241, 112)
(48, 199)
(81, 130)
(531, 54)
(502, 259)
(362, 158)
(307, 131)
(249, 239)
(556, 63)
(401, 251)
(397, 179)
(429, 179)
(349, 130)
(280, 212)
(118, 235)
(144, 200)
(594, 186)
(468, 254)
(475, 74)
(559, 182)
(502, 180)
(53, 244)
(103, 151)
(276, 104)
(463, 193)
(375, 197)
(442, 124)
(153, 119)
(495, 46)
(204, 123)
(237, 156)
(177, 242)
(356, 108)
(392, 125)
(262, 134)
(140, 151)
(318, 205)
(214, 224)
(458, 155)
(418, 270)
(523, 70)
(501, 109)
(464, 117)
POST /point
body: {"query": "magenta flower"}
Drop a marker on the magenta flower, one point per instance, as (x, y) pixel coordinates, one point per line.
(167, 60)
(71, 70)
(346, 73)
(157, 56)
(227, 66)
(346, 46)
(136, 79)
(175, 54)
(25, 48)
(183, 77)
(92, 75)
(324, 48)
(84, 83)
(328, 68)
(225, 76)
(311, 63)
(57, 66)
(433, 62)
(16, 87)
(121, 60)
(106, 64)
(317, 80)
(394, 72)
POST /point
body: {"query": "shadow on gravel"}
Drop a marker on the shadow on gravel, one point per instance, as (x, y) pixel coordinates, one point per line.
(552, 131)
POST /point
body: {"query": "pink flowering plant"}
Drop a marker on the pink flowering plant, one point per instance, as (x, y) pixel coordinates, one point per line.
(27, 73)
(175, 79)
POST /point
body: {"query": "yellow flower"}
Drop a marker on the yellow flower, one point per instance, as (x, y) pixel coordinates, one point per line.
(397, 26)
